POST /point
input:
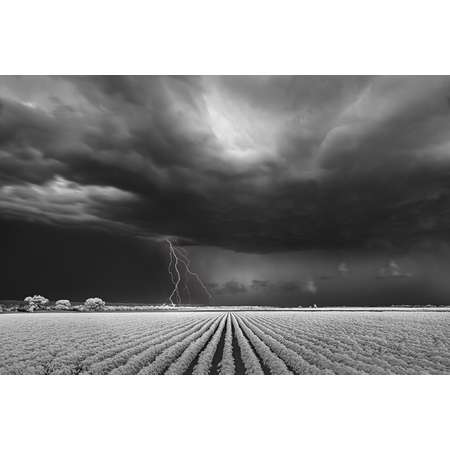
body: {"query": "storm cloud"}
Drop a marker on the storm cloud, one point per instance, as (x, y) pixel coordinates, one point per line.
(248, 163)
(270, 182)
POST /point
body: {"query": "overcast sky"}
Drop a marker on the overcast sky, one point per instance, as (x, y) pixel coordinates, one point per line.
(270, 182)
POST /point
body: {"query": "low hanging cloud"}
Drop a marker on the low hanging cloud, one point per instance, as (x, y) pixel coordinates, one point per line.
(63, 202)
(231, 287)
(310, 287)
(392, 270)
(249, 163)
(278, 287)
(260, 287)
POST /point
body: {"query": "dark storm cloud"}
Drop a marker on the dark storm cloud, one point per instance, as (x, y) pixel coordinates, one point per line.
(249, 163)
(77, 263)
(231, 287)
(269, 286)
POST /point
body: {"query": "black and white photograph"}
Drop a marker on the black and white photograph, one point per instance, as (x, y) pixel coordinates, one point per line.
(220, 225)
(200, 198)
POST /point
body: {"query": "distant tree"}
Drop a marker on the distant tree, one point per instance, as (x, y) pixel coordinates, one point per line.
(94, 304)
(63, 305)
(1, 308)
(35, 302)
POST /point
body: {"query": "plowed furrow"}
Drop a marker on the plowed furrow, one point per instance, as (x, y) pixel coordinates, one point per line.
(204, 361)
(275, 364)
(172, 352)
(247, 355)
(131, 365)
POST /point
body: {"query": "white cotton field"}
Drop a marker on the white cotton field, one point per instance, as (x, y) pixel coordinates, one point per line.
(220, 342)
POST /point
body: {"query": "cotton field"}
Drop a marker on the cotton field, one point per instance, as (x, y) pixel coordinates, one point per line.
(221, 342)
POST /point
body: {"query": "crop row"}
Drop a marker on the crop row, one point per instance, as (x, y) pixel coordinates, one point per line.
(226, 343)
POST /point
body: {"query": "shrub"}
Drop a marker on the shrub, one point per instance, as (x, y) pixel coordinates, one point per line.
(26, 307)
(35, 302)
(63, 305)
(79, 308)
(94, 304)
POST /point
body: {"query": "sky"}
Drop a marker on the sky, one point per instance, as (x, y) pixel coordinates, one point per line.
(292, 190)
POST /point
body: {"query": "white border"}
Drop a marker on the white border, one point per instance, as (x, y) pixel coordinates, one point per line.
(253, 412)
(218, 37)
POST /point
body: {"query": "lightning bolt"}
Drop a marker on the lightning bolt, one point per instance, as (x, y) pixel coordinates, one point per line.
(178, 259)
(186, 262)
(175, 277)
(186, 284)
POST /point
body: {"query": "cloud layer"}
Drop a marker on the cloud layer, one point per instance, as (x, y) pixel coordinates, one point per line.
(249, 163)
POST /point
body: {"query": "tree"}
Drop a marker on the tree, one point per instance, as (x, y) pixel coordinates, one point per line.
(63, 305)
(35, 302)
(94, 304)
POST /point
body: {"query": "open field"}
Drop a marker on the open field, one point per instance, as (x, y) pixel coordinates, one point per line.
(224, 342)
